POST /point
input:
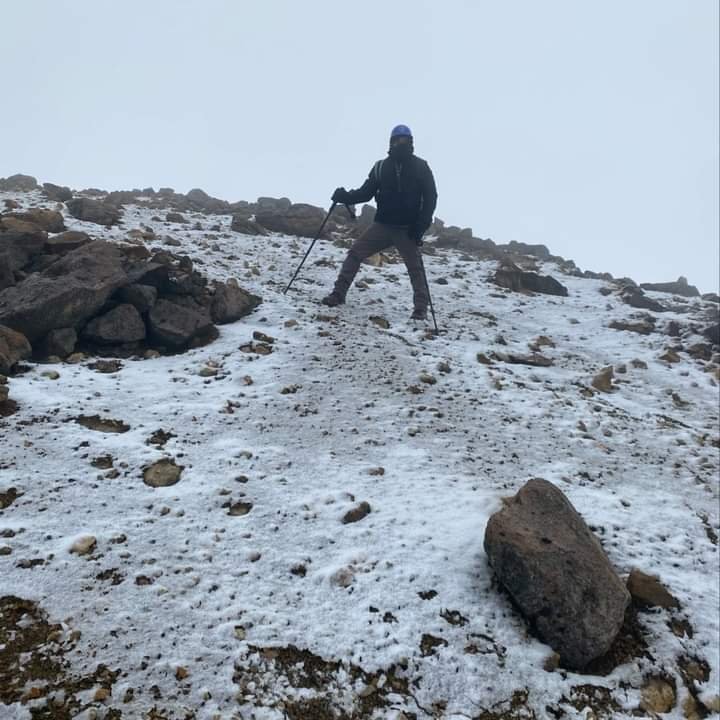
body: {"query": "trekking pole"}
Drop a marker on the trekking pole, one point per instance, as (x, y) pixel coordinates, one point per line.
(319, 232)
(427, 288)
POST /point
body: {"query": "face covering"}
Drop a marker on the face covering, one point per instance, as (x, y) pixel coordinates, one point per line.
(401, 151)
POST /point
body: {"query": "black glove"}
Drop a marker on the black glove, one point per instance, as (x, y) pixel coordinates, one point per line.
(416, 234)
(340, 196)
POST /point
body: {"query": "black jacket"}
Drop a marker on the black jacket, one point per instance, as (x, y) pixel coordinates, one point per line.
(405, 193)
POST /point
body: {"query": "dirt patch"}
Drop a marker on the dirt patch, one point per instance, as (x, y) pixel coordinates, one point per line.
(428, 643)
(308, 687)
(108, 425)
(160, 437)
(599, 699)
(33, 668)
(515, 708)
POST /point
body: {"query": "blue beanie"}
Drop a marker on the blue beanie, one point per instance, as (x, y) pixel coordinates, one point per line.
(400, 130)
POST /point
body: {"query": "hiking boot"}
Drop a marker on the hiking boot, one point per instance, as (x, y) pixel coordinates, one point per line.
(333, 299)
(419, 314)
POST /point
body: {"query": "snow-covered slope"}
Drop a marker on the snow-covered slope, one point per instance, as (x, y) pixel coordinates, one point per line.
(188, 601)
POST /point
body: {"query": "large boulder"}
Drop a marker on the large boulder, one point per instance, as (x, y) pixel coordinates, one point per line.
(276, 205)
(120, 325)
(712, 333)
(18, 183)
(20, 242)
(49, 220)
(66, 241)
(557, 573)
(298, 219)
(679, 287)
(60, 342)
(635, 297)
(176, 217)
(57, 193)
(94, 211)
(510, 276)
(176, 325)
(518, 248)
(7, 276)
(246, 226)
(14, 346)
(67, 294)
(230, 302)
(142, 297)
(200, 200)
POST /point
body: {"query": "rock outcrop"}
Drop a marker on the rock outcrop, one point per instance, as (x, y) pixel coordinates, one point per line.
(67, 294)
(299, 219)
(94, 211)
(679, 287)
(511, 277)
(18, 183)
(632, 295)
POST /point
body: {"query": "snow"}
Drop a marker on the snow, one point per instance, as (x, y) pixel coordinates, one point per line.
(641, 475)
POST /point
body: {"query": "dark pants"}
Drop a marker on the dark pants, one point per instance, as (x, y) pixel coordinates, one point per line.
(376, 238)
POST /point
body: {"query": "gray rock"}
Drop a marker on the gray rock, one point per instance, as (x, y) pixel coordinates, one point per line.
(14, 346)
(57, 193)
(94, 211)
(510, 276)
(643, 327)
(200, 200)
(67, 294)
(66, 241)
(538, 251)
(246, 226)
(679, 287)
(635, 297)
(270, 204)
(648, 590)
(230, 302)
(712, 333)
(18, 183)
(122, 324)
(175, 217)
(162, 473)
(49, 220)
(175, 325)
(557, 573)
(20, 241)
(299, 219)
(603, 380)
(143, 297)
(7, 276)
(60, 342)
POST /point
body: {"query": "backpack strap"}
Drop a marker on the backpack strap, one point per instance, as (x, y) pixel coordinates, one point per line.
(377, 170)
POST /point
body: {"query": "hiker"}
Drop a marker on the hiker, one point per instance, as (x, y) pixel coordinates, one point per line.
(404, 190)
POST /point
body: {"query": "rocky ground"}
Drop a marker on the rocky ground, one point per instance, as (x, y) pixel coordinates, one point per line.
(288, 522)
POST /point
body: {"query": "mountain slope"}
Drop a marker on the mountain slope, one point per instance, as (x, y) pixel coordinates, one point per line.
(404, 597)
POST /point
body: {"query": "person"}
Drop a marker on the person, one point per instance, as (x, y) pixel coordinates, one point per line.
(404, 190)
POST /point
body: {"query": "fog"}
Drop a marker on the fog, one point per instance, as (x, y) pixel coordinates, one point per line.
(591, 127)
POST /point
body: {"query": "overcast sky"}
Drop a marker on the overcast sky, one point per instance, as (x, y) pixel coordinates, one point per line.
(588, 125)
